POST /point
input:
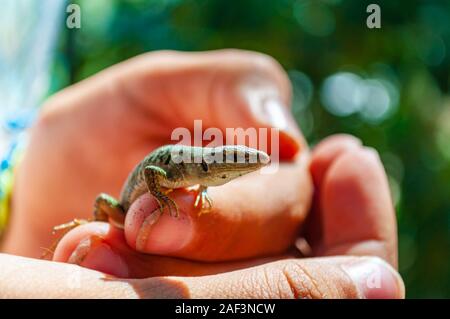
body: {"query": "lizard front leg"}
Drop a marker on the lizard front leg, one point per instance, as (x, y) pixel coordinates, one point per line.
(204, 199)
(153, 175)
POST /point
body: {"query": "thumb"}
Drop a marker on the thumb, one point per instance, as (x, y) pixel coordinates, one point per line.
(224, 89)
(259, 96)
(332, 277)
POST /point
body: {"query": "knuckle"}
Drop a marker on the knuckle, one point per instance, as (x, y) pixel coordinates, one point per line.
(301, 282)
(310, 279)
(273, 284)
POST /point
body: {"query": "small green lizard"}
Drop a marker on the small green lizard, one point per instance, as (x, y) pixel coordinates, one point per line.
(176, 166)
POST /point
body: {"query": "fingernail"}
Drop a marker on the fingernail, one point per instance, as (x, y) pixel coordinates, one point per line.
(273, 112)
(266, 104)
(268, 108)
(276, 115)
(375, 279)
(83, 248)
(372, 153)
(95, 254)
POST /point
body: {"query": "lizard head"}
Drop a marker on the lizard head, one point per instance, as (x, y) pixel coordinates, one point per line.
(224, 163)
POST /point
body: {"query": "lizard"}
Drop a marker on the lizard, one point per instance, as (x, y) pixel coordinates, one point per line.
(170, 167)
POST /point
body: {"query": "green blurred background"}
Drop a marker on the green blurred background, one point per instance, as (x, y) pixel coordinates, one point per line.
(388, 86)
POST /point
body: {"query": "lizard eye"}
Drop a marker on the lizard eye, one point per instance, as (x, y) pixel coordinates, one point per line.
(235, 157)
(205, 166)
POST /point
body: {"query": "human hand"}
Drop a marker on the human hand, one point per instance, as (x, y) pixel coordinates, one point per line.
(246, 226)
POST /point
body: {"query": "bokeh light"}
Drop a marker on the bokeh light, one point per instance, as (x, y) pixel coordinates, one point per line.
(346, 93)
(443, 132)
(315, 17)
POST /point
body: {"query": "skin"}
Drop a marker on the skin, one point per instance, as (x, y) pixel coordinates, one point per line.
(250, 232)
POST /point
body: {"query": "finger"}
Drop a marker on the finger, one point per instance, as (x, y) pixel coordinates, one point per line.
(165, 90)
(101, 247)
(224, 89)
(323, 156)
(344, 277)
(355, 207)
(45, 279)
(333, 277)
(327, 151)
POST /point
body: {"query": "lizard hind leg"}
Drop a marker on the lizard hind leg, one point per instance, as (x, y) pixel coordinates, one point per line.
(107, 208)
(64, 228)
